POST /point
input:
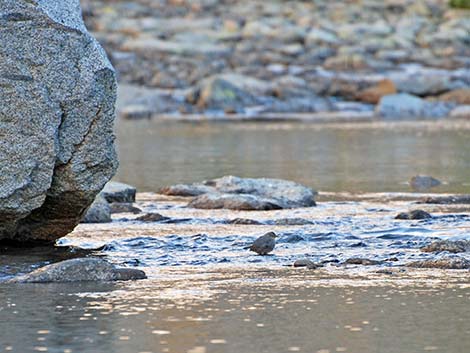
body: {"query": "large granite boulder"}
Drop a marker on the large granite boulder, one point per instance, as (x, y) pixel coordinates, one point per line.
(57, 96)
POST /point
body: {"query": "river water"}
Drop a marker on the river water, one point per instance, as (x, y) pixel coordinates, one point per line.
(205, 293)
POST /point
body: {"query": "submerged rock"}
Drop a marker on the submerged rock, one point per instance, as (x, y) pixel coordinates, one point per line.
(244, 221)
(119, 192)
(455, 247)
(424, 182)
(361, 261)
(58, 93)
(99, 211)
(455, 263)
(292, 222)
(80, 270)
(415, 214)
(245, 194)
(306, 263)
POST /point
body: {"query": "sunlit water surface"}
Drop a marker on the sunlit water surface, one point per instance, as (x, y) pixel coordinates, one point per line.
(205, 293)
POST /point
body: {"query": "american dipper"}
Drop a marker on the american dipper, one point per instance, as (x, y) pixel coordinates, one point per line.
(264, 244)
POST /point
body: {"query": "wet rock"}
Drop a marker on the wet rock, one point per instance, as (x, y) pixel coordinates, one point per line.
(234, 202)
(80, 270)
(58, 92)
(124, 207)
(292, 222)
(136, 112)
(412, 215)
(424, 182)
(448, 200)
(152, 217)
(246, 194)
(186, 190)
(294, 238)
(363, 262)
(244, 221)
(455, 247)
(119, 192)
(454, 263)
(306, 263)
(403, 106)
(99, 211)
(375, 93)
(264, 244)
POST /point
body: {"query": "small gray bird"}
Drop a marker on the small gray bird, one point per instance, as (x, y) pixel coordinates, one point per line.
(264, 244)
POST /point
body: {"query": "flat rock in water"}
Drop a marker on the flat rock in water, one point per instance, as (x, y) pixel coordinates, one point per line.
(245, 194)
(244, 221)
(457, 246)
(80, 270)
(306, 263)
(152, 217)
(119, 192)
(58, 92)
(361, 261)
(456, 263)
(415, 214)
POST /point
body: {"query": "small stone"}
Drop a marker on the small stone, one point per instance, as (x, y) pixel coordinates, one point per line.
(305, 263)
(152, 217)
(361, 261)
(413, 215)
(264, 244)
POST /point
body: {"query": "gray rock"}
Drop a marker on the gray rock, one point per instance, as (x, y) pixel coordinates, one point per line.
(415, 214)
(306, 263)
(119, 192)
(363, 262)
(454, 263)
(58, 93)
(264, 244)
(234, 202)
(403, 105)
(424, 182)
(99, 211)
(292, 222)
(246, 193)
(455, 247)
(244, 221)
(152, 217)
(80, 270)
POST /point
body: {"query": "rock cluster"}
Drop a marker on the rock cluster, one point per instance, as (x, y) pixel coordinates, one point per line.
(236, 193)
(58, 92)
(394, 58)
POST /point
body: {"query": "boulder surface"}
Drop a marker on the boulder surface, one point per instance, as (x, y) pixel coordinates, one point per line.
(57, 95)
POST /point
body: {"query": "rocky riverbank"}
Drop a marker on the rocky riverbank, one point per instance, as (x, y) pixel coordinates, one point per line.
(361, 59)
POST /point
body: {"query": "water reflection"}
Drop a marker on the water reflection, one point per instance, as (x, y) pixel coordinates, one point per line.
(247, 311)
(358, 158)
